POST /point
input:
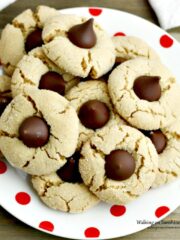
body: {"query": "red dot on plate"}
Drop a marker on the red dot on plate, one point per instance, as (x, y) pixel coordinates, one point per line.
(117, 210)
(95, 11)
(119, 34)
(23, 198)
(166, 41)
(160, 211)
(3, 167)
(91, 232)
(46, 225)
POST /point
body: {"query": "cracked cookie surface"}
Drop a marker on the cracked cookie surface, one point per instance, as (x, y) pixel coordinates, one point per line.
(92, 164)
(169, 159)
(91, 90)
(138, 112)
(63, 135)
(77, 61)
(130, 47)
(32, 67)
(15, 34)
(63, 196)
(5, 92)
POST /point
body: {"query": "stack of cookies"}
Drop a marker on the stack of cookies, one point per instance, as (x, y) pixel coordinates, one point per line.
(89, 117)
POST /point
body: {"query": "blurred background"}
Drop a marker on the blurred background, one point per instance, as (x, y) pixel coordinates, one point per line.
(161, 12)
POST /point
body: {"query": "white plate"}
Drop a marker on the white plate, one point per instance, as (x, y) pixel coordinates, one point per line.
(99, 222)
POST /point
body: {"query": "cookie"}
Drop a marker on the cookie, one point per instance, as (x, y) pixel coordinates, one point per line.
(5, 92)
(78, 46)
(93, 106)
(167, 143)
(119, 164)
(36, 131)
(130, 47)
(37, 71)
(5, 85)
(64, 189)
(144, 93)
(24, 34)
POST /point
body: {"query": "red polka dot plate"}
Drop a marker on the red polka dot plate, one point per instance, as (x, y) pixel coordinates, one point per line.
(103, 221)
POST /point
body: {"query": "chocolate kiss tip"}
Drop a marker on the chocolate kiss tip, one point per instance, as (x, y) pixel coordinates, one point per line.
(90, 21)
(88, 24)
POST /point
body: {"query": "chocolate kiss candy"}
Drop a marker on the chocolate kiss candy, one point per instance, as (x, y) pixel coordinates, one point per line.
(148, 88)
(119, 165)
(34, 132)
(159, 140)
(94, 114)
(33, 40)
(4, 101)
(83, 35)
(52, 81)
(70, 171)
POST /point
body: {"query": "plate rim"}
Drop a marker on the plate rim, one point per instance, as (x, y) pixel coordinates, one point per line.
(13, 213)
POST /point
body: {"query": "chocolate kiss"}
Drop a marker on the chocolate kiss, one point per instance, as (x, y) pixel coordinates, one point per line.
(70, 171)
(34, 132)
(148, 88)
(94, 114)
(83, 35)
(158, 139)
(119, 165)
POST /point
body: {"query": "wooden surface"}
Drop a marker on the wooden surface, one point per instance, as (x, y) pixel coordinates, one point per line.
(11, 228)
